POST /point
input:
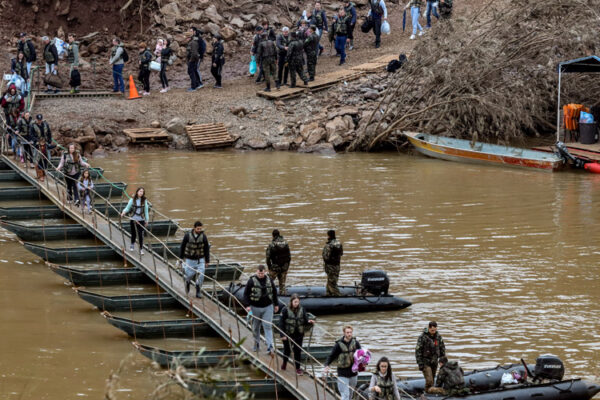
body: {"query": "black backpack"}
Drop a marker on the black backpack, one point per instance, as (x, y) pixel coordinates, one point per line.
(124, 55)
(75, 78)
(395, 65)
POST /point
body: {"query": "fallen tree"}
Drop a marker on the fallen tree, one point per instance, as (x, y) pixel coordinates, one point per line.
(489, 77)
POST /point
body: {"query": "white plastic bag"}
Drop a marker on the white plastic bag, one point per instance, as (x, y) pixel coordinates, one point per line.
(18, 81)
(507, 379)
(154, 66)
(385, 28)
(60, 46)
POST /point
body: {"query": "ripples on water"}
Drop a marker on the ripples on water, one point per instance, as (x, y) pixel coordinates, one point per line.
(505, 260)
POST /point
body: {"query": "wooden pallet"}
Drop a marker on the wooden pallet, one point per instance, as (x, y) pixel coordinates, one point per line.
(283, 93)
(208, 136)
(147, 135)
(66, 94)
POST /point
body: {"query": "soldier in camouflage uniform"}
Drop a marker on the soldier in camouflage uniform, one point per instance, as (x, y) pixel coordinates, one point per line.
(295, 59)
(278, 259)
(332, 254)
(311, 47)
(267, 54)
(450, 380)
(430, 347)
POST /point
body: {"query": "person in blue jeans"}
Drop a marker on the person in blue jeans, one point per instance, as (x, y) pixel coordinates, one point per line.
(117, 62)
(415, 13)
(432, 6)
(260, 298)
(195, 253)
(341, 27)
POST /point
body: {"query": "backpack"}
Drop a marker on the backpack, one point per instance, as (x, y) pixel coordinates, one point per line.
(75, 78)
(124, 55)
(201, 47)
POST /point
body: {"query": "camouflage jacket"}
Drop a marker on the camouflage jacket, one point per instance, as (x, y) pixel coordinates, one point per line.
(429, 349)
(278, 252)
(311, 44)
(332, 252)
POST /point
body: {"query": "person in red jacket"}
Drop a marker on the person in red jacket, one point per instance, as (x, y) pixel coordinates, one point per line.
(12, 100)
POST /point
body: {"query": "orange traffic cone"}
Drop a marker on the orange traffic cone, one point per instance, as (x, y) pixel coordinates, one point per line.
(133, 93)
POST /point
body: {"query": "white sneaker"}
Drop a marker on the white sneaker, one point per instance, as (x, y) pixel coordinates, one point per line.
(141, 252)
(146, 93)
(132, 247)
(412, 37)
(163, 90)
(421, 33)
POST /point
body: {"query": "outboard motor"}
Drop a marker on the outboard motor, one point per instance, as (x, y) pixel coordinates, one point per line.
(375, 282)
(549, 367)
(564, 153)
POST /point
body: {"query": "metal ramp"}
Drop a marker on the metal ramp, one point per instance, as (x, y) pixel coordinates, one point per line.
(222, 318)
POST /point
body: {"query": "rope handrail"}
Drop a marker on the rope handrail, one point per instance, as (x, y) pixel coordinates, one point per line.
(166, 250)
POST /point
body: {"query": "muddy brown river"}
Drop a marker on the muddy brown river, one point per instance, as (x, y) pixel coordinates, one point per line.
(505, 260)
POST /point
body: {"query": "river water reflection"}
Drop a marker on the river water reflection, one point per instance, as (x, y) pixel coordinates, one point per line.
(505, 260)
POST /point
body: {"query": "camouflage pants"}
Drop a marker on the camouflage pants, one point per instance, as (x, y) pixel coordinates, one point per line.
(429, 374)
(270, 69)
(311, 64)
(279, 273)
(296, 68)
(333, 274)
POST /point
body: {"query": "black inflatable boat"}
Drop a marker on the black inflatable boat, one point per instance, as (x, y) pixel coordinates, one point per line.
(370, 295)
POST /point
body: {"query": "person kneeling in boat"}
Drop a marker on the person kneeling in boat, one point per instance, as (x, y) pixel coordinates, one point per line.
(195, 253)
(450, 380)
(278, 259)
(332, 255)
(343, 352)
(260, 296)
(293, 323)
(383, 382)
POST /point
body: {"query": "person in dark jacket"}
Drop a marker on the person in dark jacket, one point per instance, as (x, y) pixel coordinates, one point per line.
(293, 324)
(192, 58)
(343, 353)
(195, 253)
(144, 76)
(378, 13)
(165, 56)
(350, 9)
(12, 100)
(450, 380)
(23, 126)
(73, 60)
(278, 259)
(266, 56)
(282, 43)
(260, 298)
(340, 29)
(51, 59)
(201, 51)
(311, 47)
(430, 347)
(295, 59)
(258, 37)
(218, 60)
(18, 66)
(25, 45)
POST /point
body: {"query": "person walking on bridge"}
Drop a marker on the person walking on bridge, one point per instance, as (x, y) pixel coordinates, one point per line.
(278, 259)
(293, 323)
(70, 166)
(383, 382)
(343, 353)
(430, 347)
(195, 253)
(137, 208)
(260, 297)
(332, 255)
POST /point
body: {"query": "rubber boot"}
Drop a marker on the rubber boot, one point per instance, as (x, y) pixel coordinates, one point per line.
(198, 292)
(268, 88)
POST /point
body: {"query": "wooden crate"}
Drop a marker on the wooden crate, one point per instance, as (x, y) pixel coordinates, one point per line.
(207, 136)
(147, 135)
(283, 93)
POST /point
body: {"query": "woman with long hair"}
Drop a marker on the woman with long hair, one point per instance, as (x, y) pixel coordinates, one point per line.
(383, 382)
(165, 56)
(70, 165)
(293, 322)
(137, 208)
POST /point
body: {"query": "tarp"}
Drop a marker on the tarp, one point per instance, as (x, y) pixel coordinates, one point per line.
(580, 65)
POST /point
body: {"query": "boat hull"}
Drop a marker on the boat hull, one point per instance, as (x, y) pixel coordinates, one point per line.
(51, 211)
(75, 231)
(13, 176)
(32, 193)
(161, 329)
(124, 276)
(481, 153)
(207, 358)
(65, 255)
(314, 300)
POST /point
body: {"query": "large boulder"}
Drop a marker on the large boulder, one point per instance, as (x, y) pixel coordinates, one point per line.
(202, 4)
(213, 15)
(316, 136)
(194, 16)
(106, 140)
(346, 110)
(321, 148)
(335, 125)
(171, 9)
(120, 141)
(176, 125)
(228, 34)
(282, 145)
(237, 22)
(257, 143)
(305, 130)
(212, 28)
